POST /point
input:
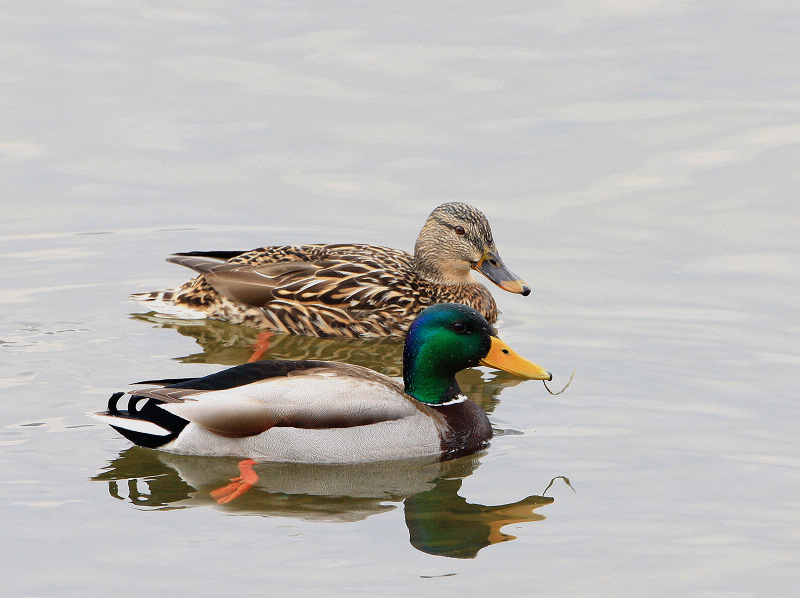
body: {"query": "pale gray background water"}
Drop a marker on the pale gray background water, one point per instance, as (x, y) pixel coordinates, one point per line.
(639, 165)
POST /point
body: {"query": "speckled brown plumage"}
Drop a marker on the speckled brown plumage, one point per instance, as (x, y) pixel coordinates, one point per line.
(344, 290)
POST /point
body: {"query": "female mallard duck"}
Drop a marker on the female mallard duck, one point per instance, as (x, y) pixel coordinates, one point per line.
(345, 290)
(318, 411)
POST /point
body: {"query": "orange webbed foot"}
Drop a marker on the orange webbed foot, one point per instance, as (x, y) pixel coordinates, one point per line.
(261, 346)
(239, 485)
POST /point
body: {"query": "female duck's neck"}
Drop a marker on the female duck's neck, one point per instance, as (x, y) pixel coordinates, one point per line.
(437, 270)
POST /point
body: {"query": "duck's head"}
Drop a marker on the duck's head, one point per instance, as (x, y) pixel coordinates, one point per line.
(447, 338)
(456, 239)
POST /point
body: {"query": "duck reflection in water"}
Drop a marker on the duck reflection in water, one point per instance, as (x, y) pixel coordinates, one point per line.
(232, 344)
(439, 520)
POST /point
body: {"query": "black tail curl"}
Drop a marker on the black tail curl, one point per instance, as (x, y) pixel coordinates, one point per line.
(145, 409)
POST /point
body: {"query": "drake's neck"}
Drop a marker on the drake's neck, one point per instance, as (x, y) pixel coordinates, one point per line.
(432, 391)
(427, 384)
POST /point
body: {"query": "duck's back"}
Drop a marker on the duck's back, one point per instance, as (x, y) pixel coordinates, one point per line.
(336, 290)
(381, 257)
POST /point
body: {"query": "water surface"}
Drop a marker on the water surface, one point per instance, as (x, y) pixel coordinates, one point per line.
(639, 167)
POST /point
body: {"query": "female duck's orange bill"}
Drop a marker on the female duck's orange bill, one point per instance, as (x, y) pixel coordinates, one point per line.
(493, 268)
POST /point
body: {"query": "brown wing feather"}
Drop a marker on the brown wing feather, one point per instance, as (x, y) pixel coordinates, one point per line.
(338, 290)
(255, 284)
(356, 396)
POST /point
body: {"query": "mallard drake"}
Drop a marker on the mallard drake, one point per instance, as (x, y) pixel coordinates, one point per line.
(344, 290)
(320, 412)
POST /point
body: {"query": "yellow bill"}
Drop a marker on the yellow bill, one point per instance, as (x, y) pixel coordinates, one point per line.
(503, 357)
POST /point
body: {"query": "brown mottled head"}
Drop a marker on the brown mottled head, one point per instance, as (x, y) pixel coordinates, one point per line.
(455, 239)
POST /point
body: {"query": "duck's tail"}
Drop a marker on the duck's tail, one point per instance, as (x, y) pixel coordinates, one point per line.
(143, 422)
(163, 303)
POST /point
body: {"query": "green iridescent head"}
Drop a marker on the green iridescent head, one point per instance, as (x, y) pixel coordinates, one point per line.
(447, 338)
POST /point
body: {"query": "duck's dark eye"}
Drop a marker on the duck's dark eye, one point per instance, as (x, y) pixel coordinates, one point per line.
(459, 327)
(459, 230)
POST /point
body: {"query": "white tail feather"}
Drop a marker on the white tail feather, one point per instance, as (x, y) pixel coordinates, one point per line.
(167, 309)
(134, 425)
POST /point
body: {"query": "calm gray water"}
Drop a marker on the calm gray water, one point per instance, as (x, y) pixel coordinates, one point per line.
(639, 165)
